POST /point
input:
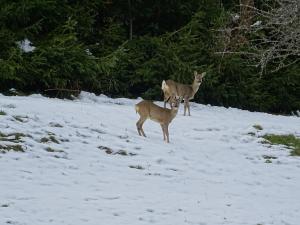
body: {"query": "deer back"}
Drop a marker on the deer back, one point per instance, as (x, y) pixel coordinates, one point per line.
(148, 109)
(177, 89)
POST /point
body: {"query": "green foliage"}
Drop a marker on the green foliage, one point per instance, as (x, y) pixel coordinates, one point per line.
(288, 140)
(83, 45)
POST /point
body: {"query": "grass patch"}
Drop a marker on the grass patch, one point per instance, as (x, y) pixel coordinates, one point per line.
(106, 149)
(138, 167)
(18, 136)
(52, 124)
(258, 127)
(251, 133)
(53, 139)
(44, 140)
(48, 139)
(269, 157)
(120, 152)
(64, 140)
(49, 149)
(288, 140)
(12, 137)
(21, 118)
(2, 135)
(7, 148)
(2, 113)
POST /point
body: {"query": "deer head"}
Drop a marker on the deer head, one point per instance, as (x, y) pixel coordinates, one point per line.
(199, 77)
(175, 102)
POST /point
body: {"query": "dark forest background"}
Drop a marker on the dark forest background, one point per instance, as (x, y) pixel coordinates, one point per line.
(127, 47)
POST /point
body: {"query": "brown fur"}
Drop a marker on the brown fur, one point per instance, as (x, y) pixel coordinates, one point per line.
(183, 91)
(148, 110)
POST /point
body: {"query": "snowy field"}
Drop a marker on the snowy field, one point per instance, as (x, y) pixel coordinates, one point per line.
(84, 163)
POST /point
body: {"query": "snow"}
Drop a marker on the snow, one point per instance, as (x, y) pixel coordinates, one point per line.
(26, 45)
(212, 172)
(88, 52)
(256, 24)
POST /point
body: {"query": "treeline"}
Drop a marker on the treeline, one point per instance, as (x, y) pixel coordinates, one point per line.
(127, 47)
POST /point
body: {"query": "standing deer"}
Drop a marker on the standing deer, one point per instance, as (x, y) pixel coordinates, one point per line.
(183, 91)
(148, 110)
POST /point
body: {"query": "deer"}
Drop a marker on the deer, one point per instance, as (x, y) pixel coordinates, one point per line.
(148, 110)
(186, 92)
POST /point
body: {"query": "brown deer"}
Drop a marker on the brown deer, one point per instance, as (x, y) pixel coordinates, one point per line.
(148, 110)
(183, 91)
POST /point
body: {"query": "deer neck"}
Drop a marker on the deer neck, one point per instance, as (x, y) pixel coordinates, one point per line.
(173, 113)
(195, 86)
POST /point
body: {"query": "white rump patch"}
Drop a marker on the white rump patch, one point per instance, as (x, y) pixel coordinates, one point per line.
(164, 85)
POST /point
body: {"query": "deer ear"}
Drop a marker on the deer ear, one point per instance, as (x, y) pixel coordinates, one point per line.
(195, 73)
(203, 74)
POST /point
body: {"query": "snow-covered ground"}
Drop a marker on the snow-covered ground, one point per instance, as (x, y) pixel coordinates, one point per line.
(101, 172)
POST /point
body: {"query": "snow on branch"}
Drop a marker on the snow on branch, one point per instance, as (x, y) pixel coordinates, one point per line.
(272, 33)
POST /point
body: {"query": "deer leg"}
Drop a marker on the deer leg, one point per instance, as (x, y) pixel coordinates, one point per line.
(163, 130)
(142, 130)
(188, 106)
(185, 105)
(139, 126)
(167, 132)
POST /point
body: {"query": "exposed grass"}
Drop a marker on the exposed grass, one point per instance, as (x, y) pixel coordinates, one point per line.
(106, 149)
(12, 137)
(53, 139)
(288, 140)
(44, 140)
(136, 167)
(52, 124)
(49, 149)
(15, 138)
(2, 113)
(48, 139)
(268, 161)
(119, 152)
(64, 140)
(21, 118)
(18, 136)
(7, 148)
(269, 157)
(265, 142)
(125, 153)
(251, 133)
(258, 127)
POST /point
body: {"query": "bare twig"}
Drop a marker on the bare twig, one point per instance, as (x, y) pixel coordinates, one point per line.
(273, 39)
